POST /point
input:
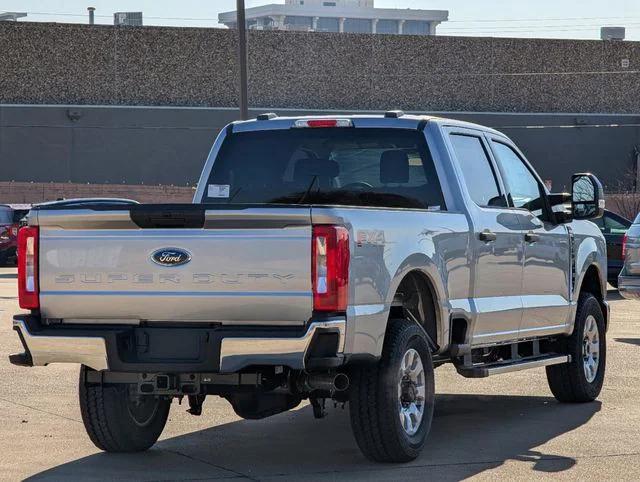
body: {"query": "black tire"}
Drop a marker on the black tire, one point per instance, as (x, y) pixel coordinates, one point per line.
(569, 382)
(374, 399)
(107, 415)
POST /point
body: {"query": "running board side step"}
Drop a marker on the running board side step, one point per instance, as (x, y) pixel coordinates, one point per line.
(483, 371)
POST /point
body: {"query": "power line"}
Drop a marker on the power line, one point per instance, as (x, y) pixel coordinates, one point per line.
(535, 27)
(537, 19)
(443, 29)
(473, 32)
(60, 14)
(66, 14)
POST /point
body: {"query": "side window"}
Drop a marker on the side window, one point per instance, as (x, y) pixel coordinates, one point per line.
(613, 226)
(477, 171)
(522, 185)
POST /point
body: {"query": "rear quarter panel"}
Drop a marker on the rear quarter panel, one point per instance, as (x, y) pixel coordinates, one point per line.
(385, 245)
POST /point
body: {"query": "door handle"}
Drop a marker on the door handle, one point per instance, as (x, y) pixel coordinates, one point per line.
(487, 236)
(531, 237)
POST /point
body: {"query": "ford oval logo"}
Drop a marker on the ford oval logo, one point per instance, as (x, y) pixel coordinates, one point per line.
(170, 257)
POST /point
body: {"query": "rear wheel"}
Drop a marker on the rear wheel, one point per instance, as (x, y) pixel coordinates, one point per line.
(581, 379)
(391, 403)
(117, 419)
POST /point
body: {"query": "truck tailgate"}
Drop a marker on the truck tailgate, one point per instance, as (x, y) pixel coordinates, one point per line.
(247, 266)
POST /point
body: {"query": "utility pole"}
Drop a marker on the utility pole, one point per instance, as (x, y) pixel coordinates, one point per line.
(242, 59)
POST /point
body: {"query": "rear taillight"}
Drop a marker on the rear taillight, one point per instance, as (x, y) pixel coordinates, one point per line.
(330, 268)
(28, 289)
(624, 245)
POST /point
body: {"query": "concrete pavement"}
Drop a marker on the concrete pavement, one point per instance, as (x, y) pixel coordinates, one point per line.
(506, 427)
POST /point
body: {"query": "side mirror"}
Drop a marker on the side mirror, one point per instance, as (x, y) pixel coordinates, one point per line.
(587, 197)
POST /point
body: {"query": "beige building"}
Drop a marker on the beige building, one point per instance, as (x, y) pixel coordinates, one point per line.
(351, 16)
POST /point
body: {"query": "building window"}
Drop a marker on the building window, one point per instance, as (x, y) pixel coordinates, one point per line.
(415, 27)
(357, 25)
(387, 26)
(328, 24)
(328, 4)
(298, 23)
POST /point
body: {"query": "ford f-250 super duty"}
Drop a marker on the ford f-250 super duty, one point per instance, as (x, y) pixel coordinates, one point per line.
(323, 258)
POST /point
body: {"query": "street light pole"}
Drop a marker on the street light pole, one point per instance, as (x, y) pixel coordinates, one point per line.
(242, 58)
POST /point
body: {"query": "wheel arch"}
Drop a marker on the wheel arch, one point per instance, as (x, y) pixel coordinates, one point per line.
(591, 282)
(420, 274)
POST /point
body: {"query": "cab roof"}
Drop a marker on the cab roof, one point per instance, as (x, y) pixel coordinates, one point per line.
(390, 119)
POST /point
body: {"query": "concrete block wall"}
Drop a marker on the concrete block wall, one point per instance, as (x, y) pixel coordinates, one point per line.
(81, 64)
(37, 192)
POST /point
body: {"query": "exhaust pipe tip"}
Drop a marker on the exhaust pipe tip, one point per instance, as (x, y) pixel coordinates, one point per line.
(337, 382)
(341, 382)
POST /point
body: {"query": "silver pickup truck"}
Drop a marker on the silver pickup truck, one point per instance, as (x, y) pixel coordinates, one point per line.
(325, 258)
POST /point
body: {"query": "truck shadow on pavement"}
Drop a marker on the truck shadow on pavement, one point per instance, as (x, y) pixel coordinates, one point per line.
(630, 341)
(470, 434)
(614, 295)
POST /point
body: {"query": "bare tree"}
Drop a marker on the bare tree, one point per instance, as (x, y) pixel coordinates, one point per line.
(624, 196)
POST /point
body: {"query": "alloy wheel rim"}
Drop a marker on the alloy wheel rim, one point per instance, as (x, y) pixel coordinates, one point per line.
(411, 392)
(591, 349)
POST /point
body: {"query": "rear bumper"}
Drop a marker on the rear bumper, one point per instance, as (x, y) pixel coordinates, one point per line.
(179, 349)
(629, 287)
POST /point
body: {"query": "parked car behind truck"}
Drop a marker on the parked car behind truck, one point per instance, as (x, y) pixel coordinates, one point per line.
(11, 218)
(323, 258)
(629, 278)
(614, 228)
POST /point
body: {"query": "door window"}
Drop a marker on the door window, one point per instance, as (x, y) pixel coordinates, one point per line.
(523, 187)
(476, 170)
(612, 225)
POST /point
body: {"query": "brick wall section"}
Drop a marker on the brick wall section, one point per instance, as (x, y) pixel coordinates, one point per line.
(81, 64)
(36, 192)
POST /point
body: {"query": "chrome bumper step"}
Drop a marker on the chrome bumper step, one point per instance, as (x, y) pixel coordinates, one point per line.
(226, 353)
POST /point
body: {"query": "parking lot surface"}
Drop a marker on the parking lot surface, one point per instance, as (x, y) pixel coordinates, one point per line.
(506, 427)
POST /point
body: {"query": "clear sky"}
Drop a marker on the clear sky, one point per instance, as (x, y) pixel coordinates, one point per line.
(500, 18)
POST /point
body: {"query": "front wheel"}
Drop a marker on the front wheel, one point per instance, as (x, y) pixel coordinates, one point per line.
(117, 419)
(581, 379)
(391, 403)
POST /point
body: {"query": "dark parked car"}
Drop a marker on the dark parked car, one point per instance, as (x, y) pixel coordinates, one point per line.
(629, 279)
(614, 227)
(10, 218)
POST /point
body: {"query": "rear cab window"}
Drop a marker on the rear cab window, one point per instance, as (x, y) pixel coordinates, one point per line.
(375, 167)
(477, 171)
